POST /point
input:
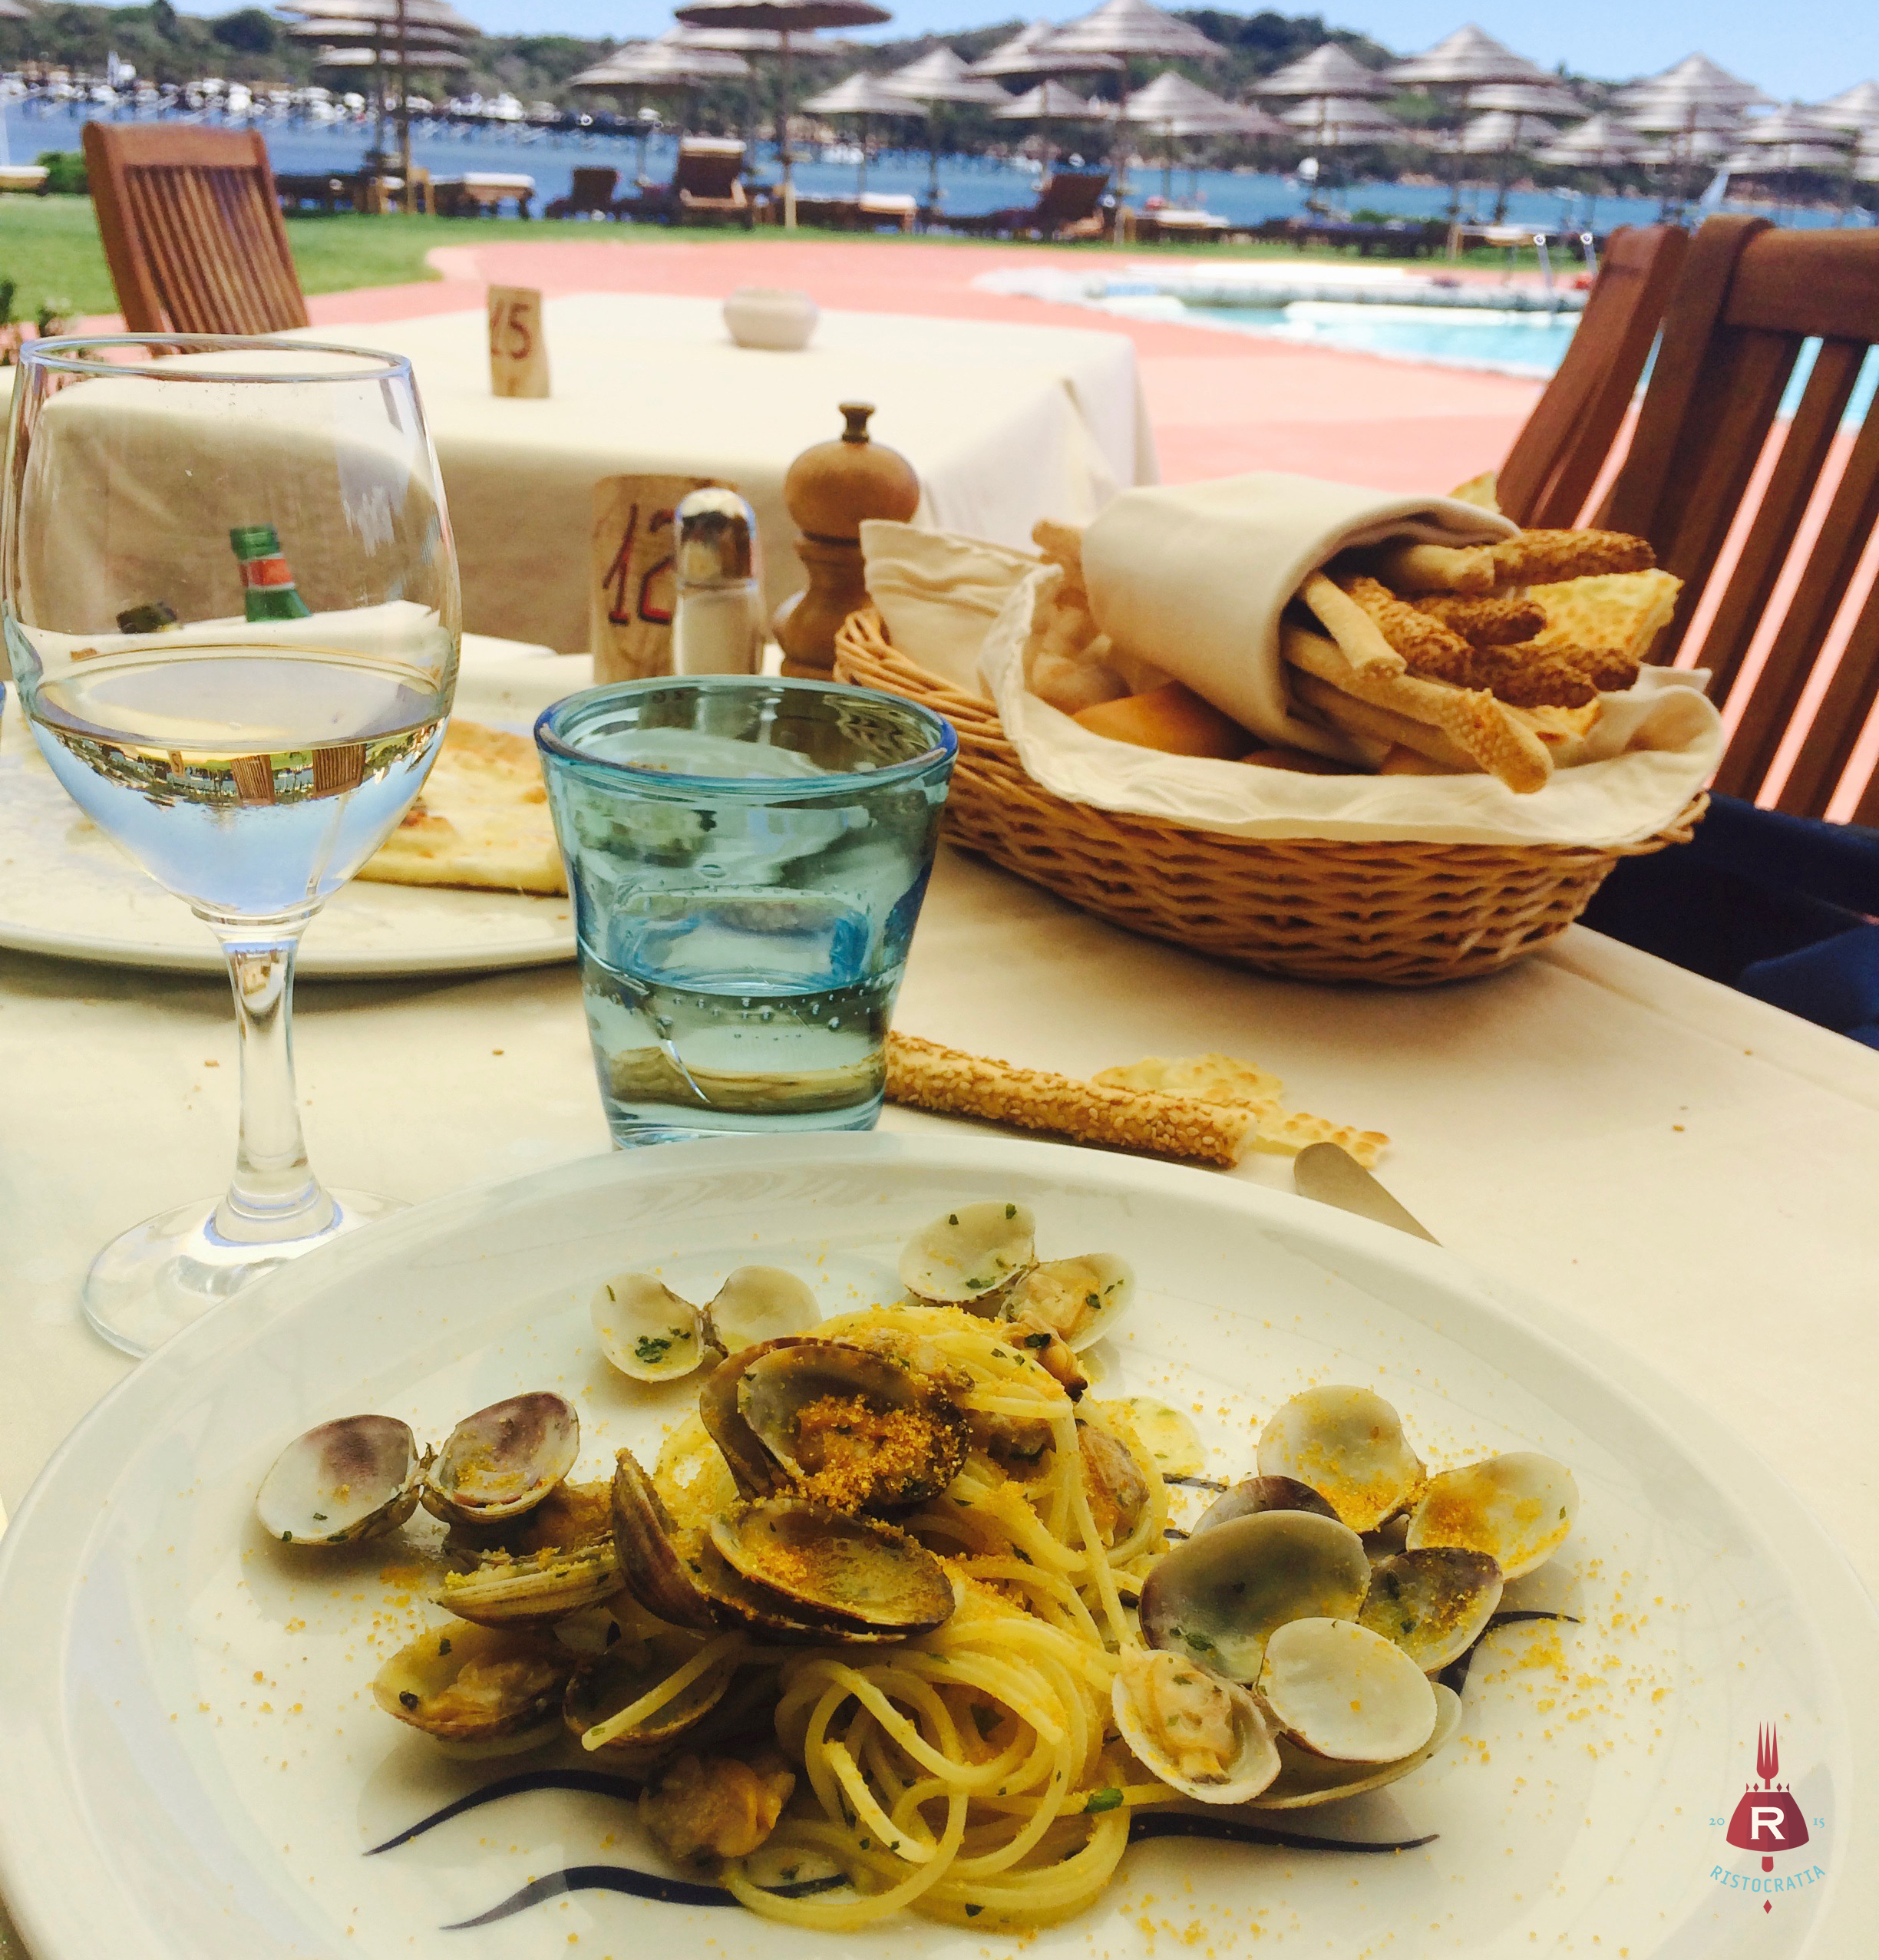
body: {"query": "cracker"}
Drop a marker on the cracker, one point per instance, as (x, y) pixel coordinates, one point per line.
(1224, 1079)
(1625, 611)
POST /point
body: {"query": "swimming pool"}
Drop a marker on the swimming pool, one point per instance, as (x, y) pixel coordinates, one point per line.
(1524, 343)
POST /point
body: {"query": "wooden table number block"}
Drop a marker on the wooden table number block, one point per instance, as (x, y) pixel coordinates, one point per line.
(630, 609)
(518, 349)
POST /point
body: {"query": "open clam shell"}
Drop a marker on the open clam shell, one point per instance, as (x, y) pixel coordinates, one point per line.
(358, 1477)
(1173, 1442)
(607, 1687)
(1434, 1604)
(1347, 1444)
(1252, 1495)
(1518, 1509)
(534, 1591)
(1338, 1690)
(759, 1303)
(477, 1685)
(1114, 1482)
(1205, 1737)
(1304, 1780)
(969, 1256)
(1219, 1598)
(838, 1423)
(829, 1565)
(1078, 1299)
(644, 1543)
(646, 1329)
(504, 1459)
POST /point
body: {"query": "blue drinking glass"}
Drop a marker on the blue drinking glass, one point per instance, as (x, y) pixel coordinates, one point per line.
(747, 858)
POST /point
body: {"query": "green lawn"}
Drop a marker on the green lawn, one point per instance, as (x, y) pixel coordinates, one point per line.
(49, 247)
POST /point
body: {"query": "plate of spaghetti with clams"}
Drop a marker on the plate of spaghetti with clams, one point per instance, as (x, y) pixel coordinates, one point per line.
(910, 1541)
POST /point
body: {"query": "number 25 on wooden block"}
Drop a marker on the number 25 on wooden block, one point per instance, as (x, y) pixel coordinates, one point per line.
(632, 591)
(518, 351)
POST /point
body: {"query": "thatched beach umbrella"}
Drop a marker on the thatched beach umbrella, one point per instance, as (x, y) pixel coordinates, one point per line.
(1601, 143)
(788, 20)
(933, 80)
(1051, 102)
(862, 96)
(1449, 74)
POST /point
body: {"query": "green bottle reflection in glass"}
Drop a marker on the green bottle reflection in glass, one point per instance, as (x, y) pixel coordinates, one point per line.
(268, 588)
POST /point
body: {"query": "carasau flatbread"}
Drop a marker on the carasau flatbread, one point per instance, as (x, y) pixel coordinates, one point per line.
(482, 820)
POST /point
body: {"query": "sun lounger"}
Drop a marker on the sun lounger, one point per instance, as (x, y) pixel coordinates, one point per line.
(479, 191)
(706, 185)
(591, 196)
(1069, 205)
(872, 210)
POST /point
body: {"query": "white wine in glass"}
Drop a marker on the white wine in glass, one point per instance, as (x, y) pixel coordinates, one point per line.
(229, 599)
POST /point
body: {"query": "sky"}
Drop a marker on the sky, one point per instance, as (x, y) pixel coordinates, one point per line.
(1806, 50)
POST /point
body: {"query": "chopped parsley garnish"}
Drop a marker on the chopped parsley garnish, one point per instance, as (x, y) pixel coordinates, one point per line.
(1103, 1799)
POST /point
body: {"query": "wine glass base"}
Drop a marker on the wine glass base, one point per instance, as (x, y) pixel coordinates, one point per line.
(162, 1274)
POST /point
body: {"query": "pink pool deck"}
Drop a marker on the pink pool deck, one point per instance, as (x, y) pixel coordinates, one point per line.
(1220, 403)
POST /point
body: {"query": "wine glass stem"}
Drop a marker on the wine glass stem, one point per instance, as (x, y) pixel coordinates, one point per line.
(274, 1194)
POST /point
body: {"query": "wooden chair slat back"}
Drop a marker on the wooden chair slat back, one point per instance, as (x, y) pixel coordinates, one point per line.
(1550, 472)
(1766, 520)
(711, 174)
(192, 229)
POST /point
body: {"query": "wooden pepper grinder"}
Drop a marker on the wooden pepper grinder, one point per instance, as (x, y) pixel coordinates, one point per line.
(830, 491)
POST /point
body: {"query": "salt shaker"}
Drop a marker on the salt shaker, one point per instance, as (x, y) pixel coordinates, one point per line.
(718, 615)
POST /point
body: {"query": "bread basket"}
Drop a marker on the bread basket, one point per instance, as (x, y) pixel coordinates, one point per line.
(1400, 914)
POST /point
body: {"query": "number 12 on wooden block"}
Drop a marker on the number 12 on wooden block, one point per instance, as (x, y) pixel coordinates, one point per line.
(518, 351)
(632, 587)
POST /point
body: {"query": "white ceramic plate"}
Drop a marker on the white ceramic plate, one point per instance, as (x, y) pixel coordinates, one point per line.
(67, 890)
(193, 1766)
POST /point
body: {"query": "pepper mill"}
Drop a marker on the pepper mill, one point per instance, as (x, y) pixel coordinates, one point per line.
(829, 491)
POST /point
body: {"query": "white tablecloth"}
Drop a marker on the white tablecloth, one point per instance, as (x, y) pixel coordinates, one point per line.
(1005, 424)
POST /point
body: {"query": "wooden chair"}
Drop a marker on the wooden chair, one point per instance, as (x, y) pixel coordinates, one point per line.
(192, 229)
(1749, 300)
(1551, 469)
(1068, 204)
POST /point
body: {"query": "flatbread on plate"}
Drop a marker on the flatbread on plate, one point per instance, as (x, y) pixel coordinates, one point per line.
(482, 820)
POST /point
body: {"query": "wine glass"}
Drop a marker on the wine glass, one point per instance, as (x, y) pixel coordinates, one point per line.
(229, 599)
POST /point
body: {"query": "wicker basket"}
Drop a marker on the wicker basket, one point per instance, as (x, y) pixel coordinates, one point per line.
(1405, 915)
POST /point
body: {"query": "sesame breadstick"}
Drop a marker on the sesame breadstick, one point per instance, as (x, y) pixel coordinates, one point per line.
(1364, 644)
(1545, 558)
(1378, 725)
(1471, 718)
(1485, 622)
(1435, 568)
(1429, 647)
(923, 1075)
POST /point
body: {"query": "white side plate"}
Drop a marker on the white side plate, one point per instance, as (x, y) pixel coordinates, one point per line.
(194, 1768)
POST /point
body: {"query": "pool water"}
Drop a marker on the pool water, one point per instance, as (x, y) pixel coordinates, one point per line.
(1530, 344)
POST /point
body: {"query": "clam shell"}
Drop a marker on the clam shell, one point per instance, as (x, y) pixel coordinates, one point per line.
(1434, 1604)
(650, 1567)
(1304, 1780)
(602, 1687)
(968, 1256)
(645, 1330)
(504, 1459)
(1254, 1494)
(1338, 1690)
(358, 1477)
(1518, 1509)
(1173, 1442)
(1254, 1760)
(1221, 1596)
(739, 1601)
(1116, 1483)
(1347, 1444)
(464, 1684)
(828, 1565)
(1079, 1299)
(758, 1303)
(754, 1403)
(534, 1591)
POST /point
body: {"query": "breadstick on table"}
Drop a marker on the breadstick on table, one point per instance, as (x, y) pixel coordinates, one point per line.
(1473, 720)
(1545, 558)
(1435, 568)
(1485, 622)
(1347, 623)
(923, 1075)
